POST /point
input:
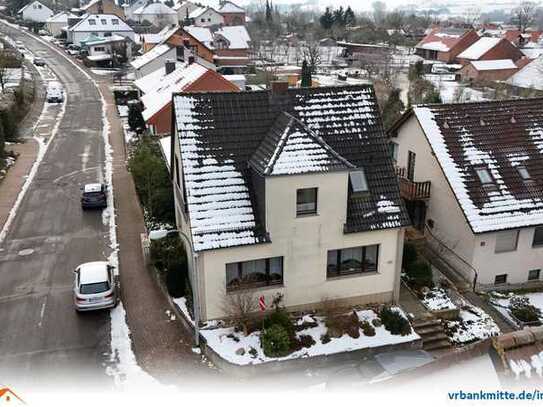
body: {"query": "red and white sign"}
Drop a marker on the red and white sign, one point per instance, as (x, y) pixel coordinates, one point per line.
(262, 303)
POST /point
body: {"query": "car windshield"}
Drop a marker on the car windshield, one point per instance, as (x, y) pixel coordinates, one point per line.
(93, 194)
(94, 288)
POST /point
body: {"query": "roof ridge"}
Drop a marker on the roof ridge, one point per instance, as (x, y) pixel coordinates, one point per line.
(478, 102)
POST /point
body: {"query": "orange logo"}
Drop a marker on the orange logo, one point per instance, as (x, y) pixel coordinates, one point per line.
(9, 398)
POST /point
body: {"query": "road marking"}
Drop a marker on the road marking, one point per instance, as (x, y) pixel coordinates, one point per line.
(42, 312)
(85, 158)
(25, 252)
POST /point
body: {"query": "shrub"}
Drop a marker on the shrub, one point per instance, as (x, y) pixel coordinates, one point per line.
(367, 328)
(175, 280)
(282, 318)
(275, 341)
(325, 338)
(521, 309)
(420, 274)
(253, 352)
(376, 323)
(394, 322)
(306, 341)
(409, 255)
(344, 324)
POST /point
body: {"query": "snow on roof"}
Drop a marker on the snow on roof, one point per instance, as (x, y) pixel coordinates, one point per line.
(99, 57)
(198, 12)
(61, 17)
(532, 53)
(150, 81)
(530, 76)
(104, 40)
(441, 40)
(292, 148)
(237, 36)
(155, 9)
(229, 7)
(96, 187)
(494, 64)
(93, 272)
(496, 137)
(202, 34)
(150, 55)
(90, 4)
(479, 48)
(31, 3)
(177, 81)
(101, 23)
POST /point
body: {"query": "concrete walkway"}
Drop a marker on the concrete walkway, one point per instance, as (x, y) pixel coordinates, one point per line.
(162, 347)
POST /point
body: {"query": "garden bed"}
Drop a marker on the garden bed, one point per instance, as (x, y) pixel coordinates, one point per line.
(502, 303)
(472, 325)
(235, 347)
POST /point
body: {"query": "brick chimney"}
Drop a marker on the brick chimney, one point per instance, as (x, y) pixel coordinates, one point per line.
(279, 87)
(169, 66)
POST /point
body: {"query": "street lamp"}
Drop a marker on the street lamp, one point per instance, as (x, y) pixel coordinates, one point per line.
(194, 273)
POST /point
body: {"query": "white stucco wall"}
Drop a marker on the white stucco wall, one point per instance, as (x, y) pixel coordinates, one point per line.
(156, 63)
(210, 18)
(77, 36)
(37, 12)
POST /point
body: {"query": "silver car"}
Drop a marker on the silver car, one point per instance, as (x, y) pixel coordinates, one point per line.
(95, 286)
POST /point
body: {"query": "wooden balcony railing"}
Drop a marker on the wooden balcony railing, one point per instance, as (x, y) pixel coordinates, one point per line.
(411, 190)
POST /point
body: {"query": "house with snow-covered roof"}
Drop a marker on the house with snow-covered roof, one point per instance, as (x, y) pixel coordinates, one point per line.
(153, 60)
(184, 9)
(206, 17)
(158, 14)
(232, 13)
(489, 48)
(36, 12)
(55, 24)
(445, 44)
(158, 87)
(530, 76)
(472, 178)
(489, 70)
(101, 25)
(103, 7)
(288, 191)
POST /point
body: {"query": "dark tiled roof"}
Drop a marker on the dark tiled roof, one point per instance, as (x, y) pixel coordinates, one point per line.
(291, 148)
(501, 137)
(220, 134)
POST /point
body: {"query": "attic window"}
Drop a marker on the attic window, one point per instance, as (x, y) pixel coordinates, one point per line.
(92, 22)
(115, 21)
(523, 172)
(103, 21)
(357, 179)
(484, 176)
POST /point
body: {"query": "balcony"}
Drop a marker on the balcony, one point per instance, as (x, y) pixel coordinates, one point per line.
(411, 190)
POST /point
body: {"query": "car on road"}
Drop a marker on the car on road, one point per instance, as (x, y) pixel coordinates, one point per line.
(54, 93)
(94, 196)
(95, 286)
(39, 61)
(43, 33)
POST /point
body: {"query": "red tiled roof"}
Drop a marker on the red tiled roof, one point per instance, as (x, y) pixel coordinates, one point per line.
(441, 40)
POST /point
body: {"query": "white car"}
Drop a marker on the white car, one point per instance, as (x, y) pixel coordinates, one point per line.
(54, 93)
(95, 286)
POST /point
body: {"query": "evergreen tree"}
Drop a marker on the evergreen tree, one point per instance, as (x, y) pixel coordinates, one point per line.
(339, 16)
(135, 117)
(306, 75)
(327, 19)
(269, 14)
(392, 109)
(349, 17)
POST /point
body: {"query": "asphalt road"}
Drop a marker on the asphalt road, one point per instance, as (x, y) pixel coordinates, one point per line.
(42, 339)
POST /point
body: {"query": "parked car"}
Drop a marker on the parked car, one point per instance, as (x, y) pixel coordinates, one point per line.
(73, 49)
(43, 33)
(95, 286)
(94, 196)
(54, 93)
(39, 61)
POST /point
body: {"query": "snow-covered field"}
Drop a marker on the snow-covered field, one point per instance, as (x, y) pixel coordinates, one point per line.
(244, 350)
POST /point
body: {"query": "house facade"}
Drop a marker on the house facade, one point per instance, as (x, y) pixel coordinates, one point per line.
(491, 70)
(103, 7)
(206, 17)
(445, 44)
(280, 203)
(153, 60)
(184, 9)
(36, 12)
(101, 25)
(232, 13)
(472, 183)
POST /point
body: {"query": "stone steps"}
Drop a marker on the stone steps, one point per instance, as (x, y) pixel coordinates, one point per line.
(432, 334)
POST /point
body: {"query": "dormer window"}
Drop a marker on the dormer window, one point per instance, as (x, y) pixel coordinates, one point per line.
(103, 21)
(523, 172)
(358, 182)
(92, 22)
(484, 176)
(115, 21)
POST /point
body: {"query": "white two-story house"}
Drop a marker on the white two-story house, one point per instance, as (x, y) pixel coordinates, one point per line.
(35, 11)
(484, 163)
(288, 191)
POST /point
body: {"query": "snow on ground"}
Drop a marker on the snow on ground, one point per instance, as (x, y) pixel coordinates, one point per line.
(453, 91)
(473, 325)
(501, 303)
(228, 343)
(437, 299)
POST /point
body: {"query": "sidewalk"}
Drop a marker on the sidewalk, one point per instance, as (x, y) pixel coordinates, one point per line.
(162, 347)
(16, 176)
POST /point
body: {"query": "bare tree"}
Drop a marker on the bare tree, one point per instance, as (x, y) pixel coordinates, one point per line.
(524, 15)
(240, 307)
(473, 15)
(311, 53)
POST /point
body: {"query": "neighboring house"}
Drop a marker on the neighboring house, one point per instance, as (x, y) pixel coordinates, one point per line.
(288, 191)
(196, 42)
(157, 14)
(153, 60)
(184, 9)
(148, 41)
(488, 48)
(484, 162)
(36, 12)
(232, 45)
(161, 84)
(445, 44)
(491, 70)
(108, 51)
(131, 7)
(206, 17)
(101, 25)
(530, 76)
(103, 7)
(55, 24)
(232, 13)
